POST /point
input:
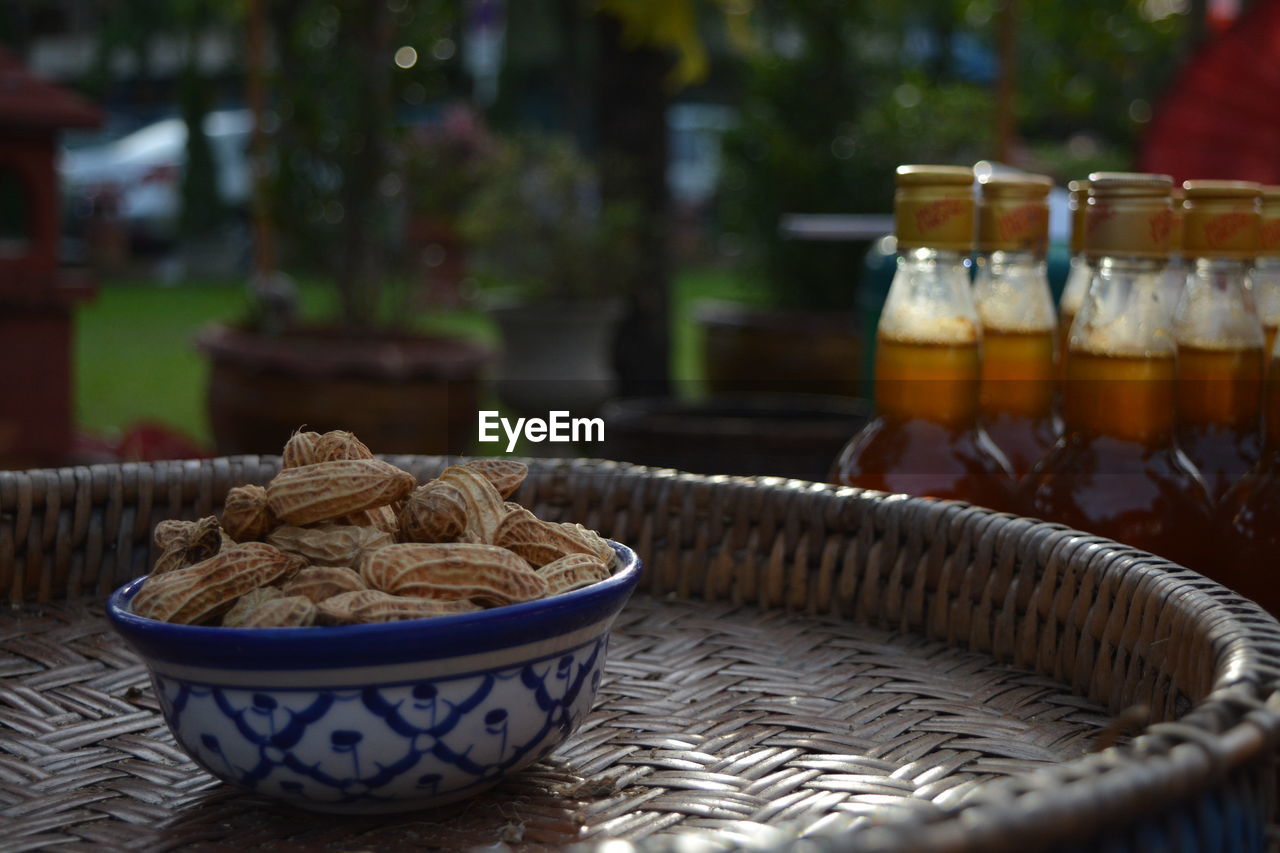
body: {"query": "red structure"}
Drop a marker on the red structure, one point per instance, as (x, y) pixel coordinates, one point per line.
(1221, 117)
(36, 297)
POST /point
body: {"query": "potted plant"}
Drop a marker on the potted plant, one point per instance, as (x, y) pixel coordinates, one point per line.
(547, 251)
(444, 164)
(325, 180)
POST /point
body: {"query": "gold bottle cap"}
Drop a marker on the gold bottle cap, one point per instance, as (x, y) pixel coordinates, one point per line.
(1269, 233)
(1222, 219)
(1013, 215)
(933, 208)
(1177, 200)
(1130, 213)
(1079, 203)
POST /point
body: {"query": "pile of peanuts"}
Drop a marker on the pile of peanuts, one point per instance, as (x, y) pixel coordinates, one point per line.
(339, 537)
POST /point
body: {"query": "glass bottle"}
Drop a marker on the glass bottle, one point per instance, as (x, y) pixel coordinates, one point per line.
(926, 439)
(1078, 277)
(1117, 470)
(1265, 277)
(1175, 271)
(1014, 304)
(1219, 338)
(1249, 514)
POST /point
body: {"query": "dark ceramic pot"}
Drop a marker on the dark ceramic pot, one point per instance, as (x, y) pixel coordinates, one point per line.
(399, 394)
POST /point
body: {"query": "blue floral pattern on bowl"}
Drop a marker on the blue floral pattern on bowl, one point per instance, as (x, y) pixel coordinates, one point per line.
(408, 715)
(382, 744)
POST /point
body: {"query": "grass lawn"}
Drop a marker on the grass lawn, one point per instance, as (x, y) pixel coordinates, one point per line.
(135, 358)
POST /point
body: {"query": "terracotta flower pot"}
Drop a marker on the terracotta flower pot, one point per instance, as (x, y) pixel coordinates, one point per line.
(400, 394)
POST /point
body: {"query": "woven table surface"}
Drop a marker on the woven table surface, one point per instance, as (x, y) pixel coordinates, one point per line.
(708, 716)
(862, 670)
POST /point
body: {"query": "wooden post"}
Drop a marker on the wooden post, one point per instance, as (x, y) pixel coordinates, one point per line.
(631, 104)
(1006, 81)
(264, 249)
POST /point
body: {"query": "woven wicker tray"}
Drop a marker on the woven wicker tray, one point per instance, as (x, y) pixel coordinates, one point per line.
(805, 666)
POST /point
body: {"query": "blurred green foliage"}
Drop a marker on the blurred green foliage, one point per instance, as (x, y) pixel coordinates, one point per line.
(1094, 67)
(323, 109)
(837, 94)
(539, 228)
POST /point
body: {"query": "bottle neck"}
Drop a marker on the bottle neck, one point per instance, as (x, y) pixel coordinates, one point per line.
(1120, 365)
(927, 341)
(1117, 266)
(1225, 267)
(1001, 258)
(1216, 310)
(925, 257)
(1011, 291)
(1127, 309)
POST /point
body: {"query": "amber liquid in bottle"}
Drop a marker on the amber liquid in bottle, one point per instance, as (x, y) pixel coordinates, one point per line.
(1117, 470)
(1011, 292)
(1218, 412)
(1249, 514)
(1068, 306)
(926, 439)
(1017, 394)
(1220, 367)
(1266, 295)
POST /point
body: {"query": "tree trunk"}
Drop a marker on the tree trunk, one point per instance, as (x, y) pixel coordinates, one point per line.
(362, 261)
(631, 104)
(201, 200)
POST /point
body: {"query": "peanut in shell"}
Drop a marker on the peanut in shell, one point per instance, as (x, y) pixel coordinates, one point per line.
(329, 490)
(485, 574)
(372, 605)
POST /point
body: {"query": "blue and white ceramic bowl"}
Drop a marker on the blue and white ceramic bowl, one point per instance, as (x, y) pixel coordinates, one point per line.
(383, 717)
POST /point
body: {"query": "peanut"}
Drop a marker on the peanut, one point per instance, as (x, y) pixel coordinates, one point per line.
(485, 574)
(198, 593)
(293, 611)
(184, 543)
(541, 542)
(335, 545)
(300, 450)
(483, 503)
(338, 444)
(245, 514)
(247, 603)
(380, 517)
(327, 490)
(593, 540)
(573, 571)
(371, 605)
(436, 512)
(506, 475)
(320, 582)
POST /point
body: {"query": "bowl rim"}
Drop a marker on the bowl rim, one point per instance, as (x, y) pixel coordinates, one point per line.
(410, 640)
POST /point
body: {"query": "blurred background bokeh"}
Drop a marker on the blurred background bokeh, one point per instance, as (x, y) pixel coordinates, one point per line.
(386, 215)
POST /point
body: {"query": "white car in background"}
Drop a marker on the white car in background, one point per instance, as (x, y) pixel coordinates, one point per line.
(140, 175)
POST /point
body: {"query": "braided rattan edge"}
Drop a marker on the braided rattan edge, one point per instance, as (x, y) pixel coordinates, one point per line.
(1086, 605)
